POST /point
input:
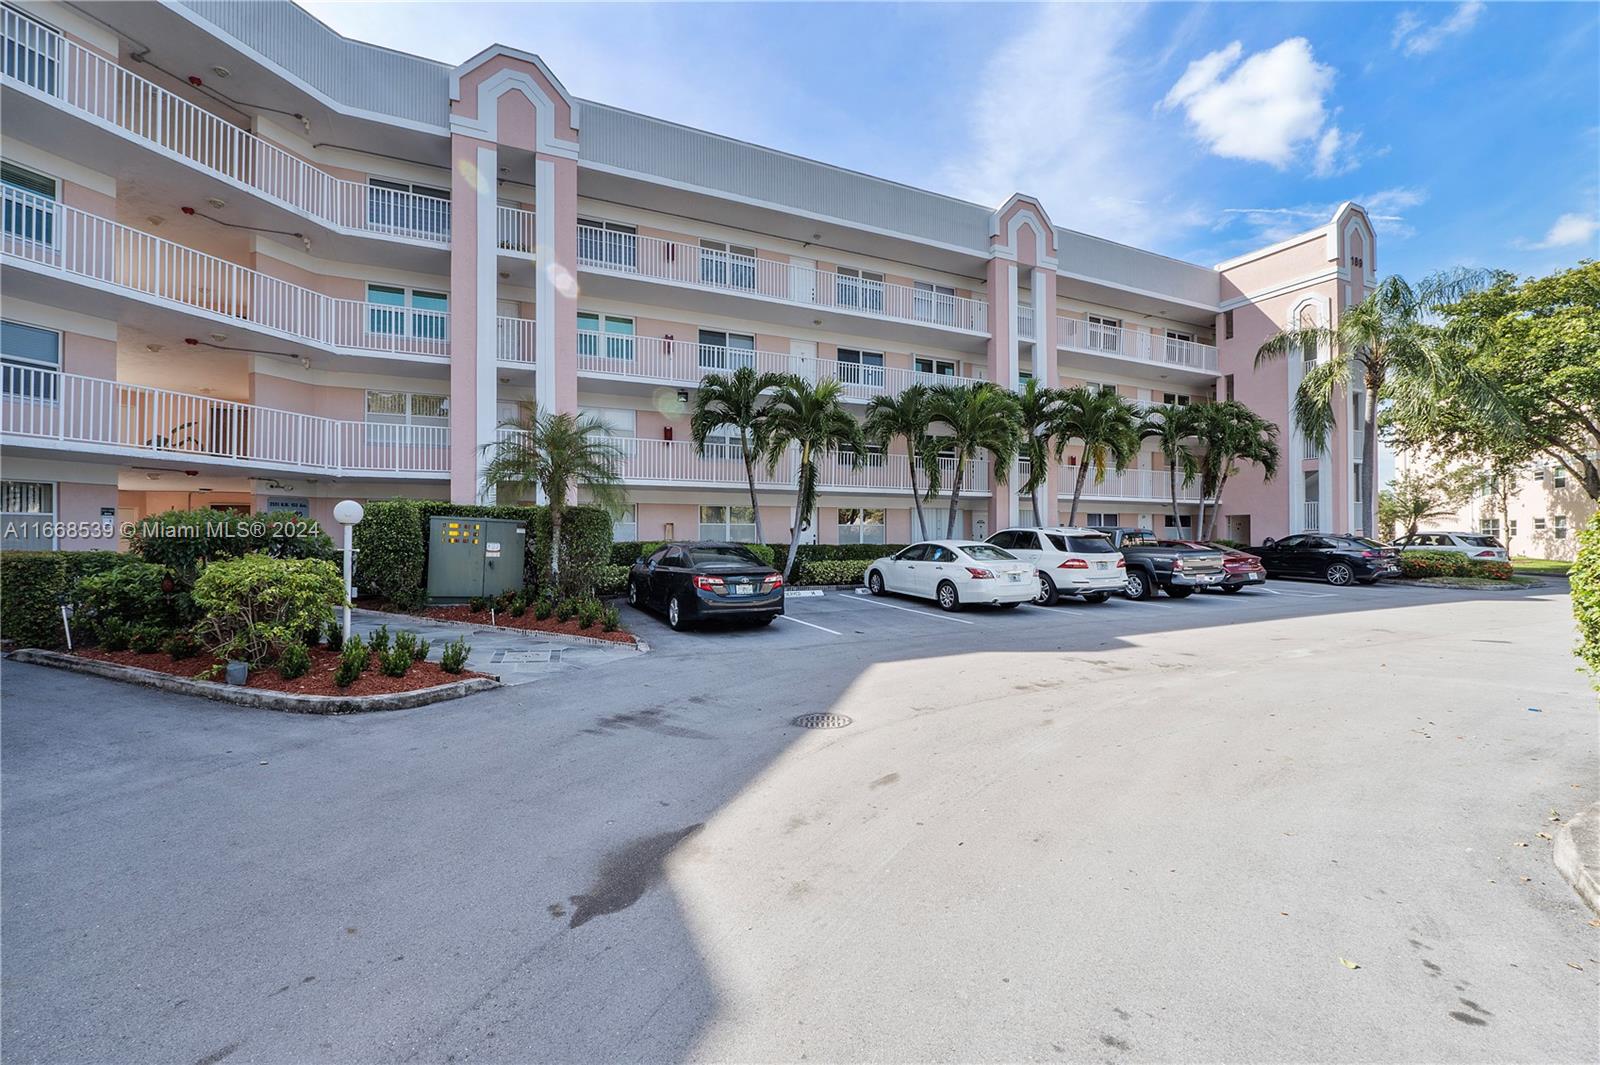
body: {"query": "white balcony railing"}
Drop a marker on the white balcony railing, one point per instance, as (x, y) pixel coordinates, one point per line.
(1080, 334)
(77, 411)
(689, 264)
(1025, 322)
(514, 230)
(1312, 516)
(686, 362)
(64, 239)
(514, 339)
(42, 62)
(1145, 485)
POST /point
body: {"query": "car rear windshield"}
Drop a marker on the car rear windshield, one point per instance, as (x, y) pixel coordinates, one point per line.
(1082, 545)
(1138, 541)
(1482, 541)
(987, 553)
(701, 555)
(1362, 541)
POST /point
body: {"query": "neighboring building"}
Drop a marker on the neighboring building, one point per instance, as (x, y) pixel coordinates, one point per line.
(248, 262)
(1539, 517)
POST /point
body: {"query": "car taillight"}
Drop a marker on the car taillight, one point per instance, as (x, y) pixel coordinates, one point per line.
(1074, 563)
(773, 581)
(1177, 563)
(710, 584)
(1122, 563)
(1369, 554)
(980, 574)
(1485, 554)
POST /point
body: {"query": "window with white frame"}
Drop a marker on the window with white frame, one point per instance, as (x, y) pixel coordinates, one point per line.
(613, 244)
(1101, 520)
(396, 310)
(1558, 477)
(30, 203)
(1178, 343)
(862, 526)
(1312, 519)
(737, 524)
(929, 366)
(723, 444)
(619, 422)
(1105, 333)
(1538, 525)
(610, 335)
(727, 265)
(1489, 527)
(1185, 522)
(395, 417)
(27, 513)
(934, 303)
(625, 523)
(407, 207)
(872, 456)
(1538, 473)
(30, 360)
(861, 367)
(1558, 527)
(1511, 527)
(723, 352)
(858, 288)
(1175, 398)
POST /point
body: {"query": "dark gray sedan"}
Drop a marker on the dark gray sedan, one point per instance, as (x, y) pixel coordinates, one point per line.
(705, 581)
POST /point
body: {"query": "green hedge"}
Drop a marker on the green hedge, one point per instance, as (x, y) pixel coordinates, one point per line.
(837, 571)
(1495, 571)
(185, 540)
(613, 580)
(392, 541)
(1585, 578)
(1434, 564)
(32, 585)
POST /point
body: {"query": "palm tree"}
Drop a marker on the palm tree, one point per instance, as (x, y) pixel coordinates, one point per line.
(1412, 499)
(1386, 341)
(1230, 432)
(735, 401)
(905, 417)
(814, 418)
(555, 453)
(980, 417)
(1040, 411)
(1108, 426)
(1171, 425)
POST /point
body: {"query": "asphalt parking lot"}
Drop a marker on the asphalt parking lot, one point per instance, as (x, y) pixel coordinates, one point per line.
(1300, 824)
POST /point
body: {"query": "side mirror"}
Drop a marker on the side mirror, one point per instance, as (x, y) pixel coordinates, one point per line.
(1268, 542)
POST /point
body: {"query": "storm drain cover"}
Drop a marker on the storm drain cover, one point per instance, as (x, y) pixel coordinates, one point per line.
(822, 721)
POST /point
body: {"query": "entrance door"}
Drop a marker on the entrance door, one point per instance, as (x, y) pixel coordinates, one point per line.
(805, 358)
(803, 280)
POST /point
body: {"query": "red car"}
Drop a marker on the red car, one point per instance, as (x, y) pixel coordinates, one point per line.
(1242, 568)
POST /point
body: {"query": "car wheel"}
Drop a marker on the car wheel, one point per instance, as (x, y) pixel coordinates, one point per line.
(633, 593)
(1047, 594)
(875, 582)
(1339, 573)
(675, 614)
(948, 597)
(1231, 588)
(1180, 593)
(1138, 586)
(1096, 597)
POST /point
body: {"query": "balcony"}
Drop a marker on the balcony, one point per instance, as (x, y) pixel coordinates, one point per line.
(1118, 342)
(794, 291)
(51, 412)
(1025, 326)
(684, 362)
(514, 340)
(672, 463)
(1145, 486)
(44, 238)
(48, 69)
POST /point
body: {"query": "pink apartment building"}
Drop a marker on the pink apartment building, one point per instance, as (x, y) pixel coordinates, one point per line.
(248, 262)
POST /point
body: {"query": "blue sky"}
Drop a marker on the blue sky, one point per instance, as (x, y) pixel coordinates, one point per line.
(1471, 131)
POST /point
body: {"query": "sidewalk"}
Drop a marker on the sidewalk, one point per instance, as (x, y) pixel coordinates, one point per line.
(513, 655)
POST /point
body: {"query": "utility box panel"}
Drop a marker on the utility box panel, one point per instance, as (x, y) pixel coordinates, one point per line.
(469, 557)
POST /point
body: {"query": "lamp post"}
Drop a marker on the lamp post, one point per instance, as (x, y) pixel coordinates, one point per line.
(349, 514)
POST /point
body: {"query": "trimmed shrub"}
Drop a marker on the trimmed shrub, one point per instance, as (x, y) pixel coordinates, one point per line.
(585, 547)
(589, 611)
(396, 660)
(1434, 564)
(1494, 571)
(391, 544)
(762, 552)
(295, 661)
(114, 634)
(184, 541)
(420, 652)
(357, 653)
(612, 580)
(138, 593)
(33, 585)
(378, 640)
(565, 608)
(519, 607)
(543, 608)
(849, 571)
(335, 635)
(346, 672)
(454, 657)
(842, 552)
(181, 645)
(1585, 578)
(147, 639)
(253, 606)
(611, 619)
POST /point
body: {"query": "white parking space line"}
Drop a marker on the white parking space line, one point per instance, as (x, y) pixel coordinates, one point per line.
(797, 621)
(906, 609)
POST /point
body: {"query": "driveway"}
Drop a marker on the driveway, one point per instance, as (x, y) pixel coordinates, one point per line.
(1130, 832)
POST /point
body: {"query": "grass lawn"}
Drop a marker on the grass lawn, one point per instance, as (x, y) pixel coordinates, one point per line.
(1541, 565)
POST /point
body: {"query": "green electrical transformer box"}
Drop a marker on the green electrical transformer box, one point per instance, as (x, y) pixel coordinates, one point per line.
(470, 557)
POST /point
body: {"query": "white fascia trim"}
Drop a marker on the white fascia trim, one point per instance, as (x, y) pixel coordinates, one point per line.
(62, 169)
(1321, 232)
(68, 470)
(1210, 308)
(978, 255)
(1331, 274)
(180, 461)
(47, 317)
(379, 275)
(306, 87)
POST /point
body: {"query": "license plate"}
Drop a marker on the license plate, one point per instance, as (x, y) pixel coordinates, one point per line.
(743, 589)
(1102, 565)
(1252, 576)
(1014, 577)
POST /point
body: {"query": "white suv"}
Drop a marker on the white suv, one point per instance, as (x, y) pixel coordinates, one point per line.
(1473, 545)
(1067, 561)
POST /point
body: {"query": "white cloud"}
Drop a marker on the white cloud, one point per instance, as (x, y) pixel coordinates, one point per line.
(1265, 109)
(1335, 153)
(1069, 133)
(1570, 230)
(1412, 37)
(1386, 208)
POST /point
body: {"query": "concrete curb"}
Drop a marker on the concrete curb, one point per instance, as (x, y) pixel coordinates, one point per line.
(560, 637)
(286, 702)
(1577, 855)
(1508, 589)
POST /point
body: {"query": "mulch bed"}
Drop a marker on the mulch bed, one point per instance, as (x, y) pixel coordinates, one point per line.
(527, 623)
(319, 681)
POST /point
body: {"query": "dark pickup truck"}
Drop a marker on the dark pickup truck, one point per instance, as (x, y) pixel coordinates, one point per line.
(1178, 571)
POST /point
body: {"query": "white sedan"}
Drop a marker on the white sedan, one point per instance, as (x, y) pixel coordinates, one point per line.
(954, 573)
(1473, 545)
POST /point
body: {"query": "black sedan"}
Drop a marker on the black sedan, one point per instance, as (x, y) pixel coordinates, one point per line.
(702, 581)
(1338, 560)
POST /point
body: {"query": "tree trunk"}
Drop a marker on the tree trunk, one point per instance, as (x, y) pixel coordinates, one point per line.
(799, 516)
(1033, 494)
(1172, 480)
(555, 548)
(955, 497)
(1369, 466)
(1216, 508)
(750, 479)
(1200, 513)
(1077, 490)
(916, 494)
